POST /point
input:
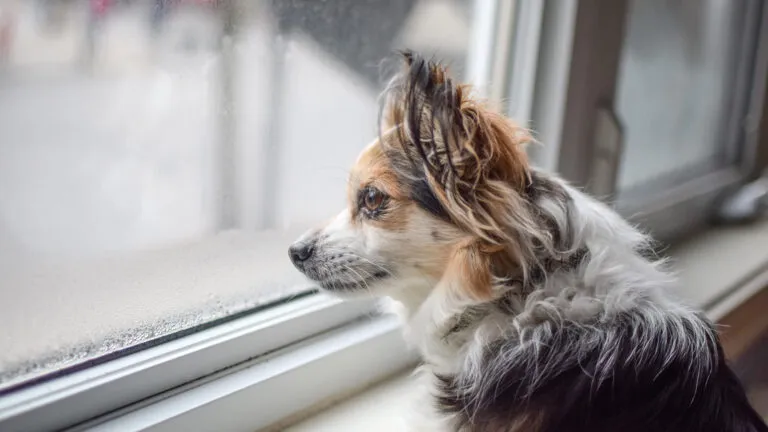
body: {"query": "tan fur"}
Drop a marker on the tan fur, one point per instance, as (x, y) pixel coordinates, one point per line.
(470, 267)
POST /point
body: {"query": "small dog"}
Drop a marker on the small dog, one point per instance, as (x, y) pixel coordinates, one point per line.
(534, 306)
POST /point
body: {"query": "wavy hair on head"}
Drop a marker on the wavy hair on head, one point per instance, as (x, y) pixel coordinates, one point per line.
(472, 160)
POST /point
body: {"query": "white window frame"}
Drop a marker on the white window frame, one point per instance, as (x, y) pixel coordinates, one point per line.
(97, 390)
(263, 368)
(576, 83)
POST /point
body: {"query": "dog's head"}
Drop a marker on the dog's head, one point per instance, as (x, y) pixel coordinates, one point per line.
(440, 194)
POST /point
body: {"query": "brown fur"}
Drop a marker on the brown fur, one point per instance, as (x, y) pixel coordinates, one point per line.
(470, 268)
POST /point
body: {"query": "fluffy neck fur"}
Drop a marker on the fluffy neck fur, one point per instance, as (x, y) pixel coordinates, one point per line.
(614, 277)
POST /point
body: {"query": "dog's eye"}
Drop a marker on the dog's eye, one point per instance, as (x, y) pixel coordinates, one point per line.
(373, 199)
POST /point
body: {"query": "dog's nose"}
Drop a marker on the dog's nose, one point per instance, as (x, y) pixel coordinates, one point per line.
(301, 251)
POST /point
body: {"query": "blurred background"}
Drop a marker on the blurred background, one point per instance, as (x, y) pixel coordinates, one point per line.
(157, 156)
(166, 129)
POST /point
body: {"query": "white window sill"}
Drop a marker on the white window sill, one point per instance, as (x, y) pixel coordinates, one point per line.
(719, 269)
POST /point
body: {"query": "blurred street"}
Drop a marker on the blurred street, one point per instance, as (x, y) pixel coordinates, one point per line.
(126, 135)
(115, 133)
(114, 147)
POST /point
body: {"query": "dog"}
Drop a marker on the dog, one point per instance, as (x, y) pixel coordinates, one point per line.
(534, 306)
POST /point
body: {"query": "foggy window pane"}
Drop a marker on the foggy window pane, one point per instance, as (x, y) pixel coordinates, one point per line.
(157, 157)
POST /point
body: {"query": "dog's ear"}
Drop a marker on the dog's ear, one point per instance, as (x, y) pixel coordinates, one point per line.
(470, 156)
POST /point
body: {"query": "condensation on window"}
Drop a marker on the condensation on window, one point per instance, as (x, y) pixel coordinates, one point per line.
(157, 157)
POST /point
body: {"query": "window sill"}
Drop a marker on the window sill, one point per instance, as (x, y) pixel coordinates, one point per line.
(273, 388)
(720, 269)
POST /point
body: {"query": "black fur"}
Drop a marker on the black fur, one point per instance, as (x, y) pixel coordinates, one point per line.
(651, 393)
(422, 194)
(541, 187)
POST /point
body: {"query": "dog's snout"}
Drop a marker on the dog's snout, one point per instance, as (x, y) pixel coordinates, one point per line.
(301, 251)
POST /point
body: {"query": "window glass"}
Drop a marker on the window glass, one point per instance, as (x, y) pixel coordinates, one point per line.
(157, 157)
(677, 87)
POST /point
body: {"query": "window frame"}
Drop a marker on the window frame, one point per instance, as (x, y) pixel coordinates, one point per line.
(277, 388)
(674, 212)
(584, 82)
(77, 397)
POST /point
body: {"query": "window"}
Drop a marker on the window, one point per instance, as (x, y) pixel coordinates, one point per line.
(158, 157)
(683, 95)
(660, 102)
(677, 86)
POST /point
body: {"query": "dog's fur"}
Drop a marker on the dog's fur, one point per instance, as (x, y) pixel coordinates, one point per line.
(534, 306)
